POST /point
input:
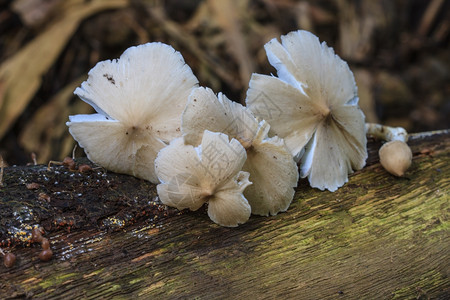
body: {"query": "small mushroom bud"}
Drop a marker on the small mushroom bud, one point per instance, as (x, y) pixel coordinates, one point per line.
(45, 244)
(69, 162)
(36, 235)
(84, 168)
(395, 157)
(46, 254)
(9, 260)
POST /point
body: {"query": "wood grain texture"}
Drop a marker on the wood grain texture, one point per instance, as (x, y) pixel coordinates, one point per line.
(378, 237)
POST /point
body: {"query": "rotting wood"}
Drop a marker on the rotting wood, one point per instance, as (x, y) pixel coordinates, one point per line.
(378, 237)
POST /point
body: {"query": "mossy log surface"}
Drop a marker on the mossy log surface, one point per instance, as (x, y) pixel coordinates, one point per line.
(378, 237)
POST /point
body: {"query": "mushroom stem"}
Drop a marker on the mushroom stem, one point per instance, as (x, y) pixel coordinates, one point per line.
(73, 151)
(1, 171)
(245, 142)
(387, 133)
(33, 158)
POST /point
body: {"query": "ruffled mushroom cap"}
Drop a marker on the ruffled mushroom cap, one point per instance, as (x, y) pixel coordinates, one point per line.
(139, 99)
(272, 169)
(313, 105)
(273, 172)
(209, 173)
(205, 111)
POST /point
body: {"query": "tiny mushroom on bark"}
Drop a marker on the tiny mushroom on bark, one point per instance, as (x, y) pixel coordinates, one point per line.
(395, 155)
(46, 254)
(313, 105)
(9, 258)
(191, 176)
(139, 99)
(273, 171)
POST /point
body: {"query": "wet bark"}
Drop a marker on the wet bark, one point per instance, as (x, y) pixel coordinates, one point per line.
(378, 237)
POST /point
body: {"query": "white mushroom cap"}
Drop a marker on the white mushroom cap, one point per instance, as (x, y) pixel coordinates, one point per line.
(271, 166)
(209, 173)
(139, 99)
(273, 172)
(313, 105)
(206, 111)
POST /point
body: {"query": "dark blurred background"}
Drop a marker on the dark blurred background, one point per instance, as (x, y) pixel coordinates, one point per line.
(397, 49)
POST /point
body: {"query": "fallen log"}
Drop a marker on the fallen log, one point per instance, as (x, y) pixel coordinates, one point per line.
(377, 237)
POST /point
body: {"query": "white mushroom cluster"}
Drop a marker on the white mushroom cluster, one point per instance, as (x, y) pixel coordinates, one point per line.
(273, 171)
(155, 123)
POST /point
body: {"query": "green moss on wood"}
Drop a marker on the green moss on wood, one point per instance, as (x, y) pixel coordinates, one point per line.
(378, 237)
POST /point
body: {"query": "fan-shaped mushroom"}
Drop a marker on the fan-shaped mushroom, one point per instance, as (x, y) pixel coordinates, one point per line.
(313, 105)
(208, 173)
(139, 99)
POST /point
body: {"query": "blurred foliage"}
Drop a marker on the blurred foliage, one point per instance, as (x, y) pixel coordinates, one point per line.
(398, 51)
